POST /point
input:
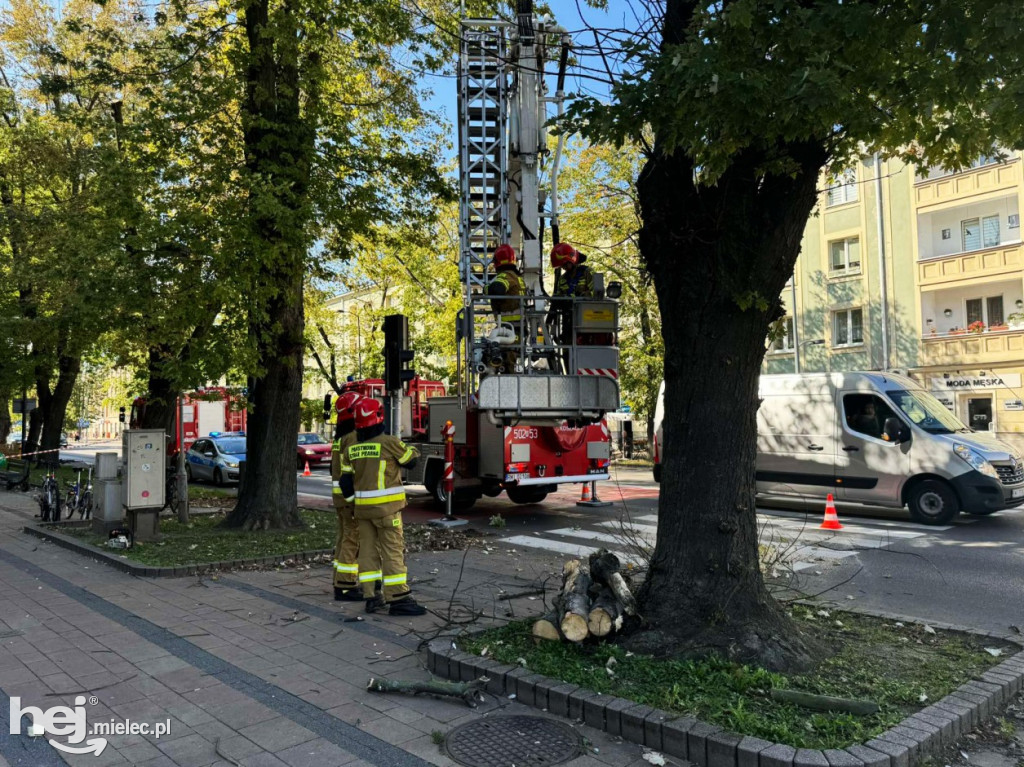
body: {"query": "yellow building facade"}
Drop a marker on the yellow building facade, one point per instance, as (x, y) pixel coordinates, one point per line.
(921, 273)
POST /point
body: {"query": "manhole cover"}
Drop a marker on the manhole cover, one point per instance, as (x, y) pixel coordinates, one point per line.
(513, 740)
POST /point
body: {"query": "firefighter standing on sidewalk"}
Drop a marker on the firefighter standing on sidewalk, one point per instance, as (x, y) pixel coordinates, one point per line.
(346, 550)
(372, 479)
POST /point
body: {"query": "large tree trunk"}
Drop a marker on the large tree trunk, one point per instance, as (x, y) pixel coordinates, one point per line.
(5, 416)
(161, 394)
(278, 148)
(53, 406)
(720, 256)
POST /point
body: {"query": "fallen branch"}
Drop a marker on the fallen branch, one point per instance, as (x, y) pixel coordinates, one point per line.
(605, 614)
(604, 567)
(470, 692)
(826, 702)
(547, 628)
(573, 602)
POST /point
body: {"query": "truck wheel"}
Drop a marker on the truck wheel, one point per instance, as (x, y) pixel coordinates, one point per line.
(657, 473)
(526, 495)
(933, 502)
(461, 501)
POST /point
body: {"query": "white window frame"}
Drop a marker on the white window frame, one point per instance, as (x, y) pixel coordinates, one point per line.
(849, 327)
(980, 222)
(784, 344)
(844, 190)
(846, 270)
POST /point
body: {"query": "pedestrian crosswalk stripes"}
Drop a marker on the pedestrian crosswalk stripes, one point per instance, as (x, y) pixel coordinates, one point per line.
(795, 538)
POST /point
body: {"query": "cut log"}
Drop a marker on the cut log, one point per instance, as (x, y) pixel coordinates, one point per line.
(470, 692)
(605, 614)
(547, 628)
(572, 602)
(826, 702)
(604, 566)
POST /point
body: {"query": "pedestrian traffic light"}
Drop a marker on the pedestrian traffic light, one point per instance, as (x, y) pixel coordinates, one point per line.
(397, 354)
(120, 414)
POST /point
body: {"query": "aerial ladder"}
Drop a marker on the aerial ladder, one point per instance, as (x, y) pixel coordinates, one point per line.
(531, 398)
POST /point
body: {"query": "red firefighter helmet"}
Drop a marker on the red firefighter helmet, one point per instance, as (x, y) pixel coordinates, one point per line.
(369, 412)
(345, 405)
(564, 254)
(504, 255)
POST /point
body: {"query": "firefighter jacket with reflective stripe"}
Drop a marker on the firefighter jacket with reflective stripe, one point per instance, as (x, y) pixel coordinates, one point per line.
(337, 448)
(580, 283)
(376, 476)
(508, 283)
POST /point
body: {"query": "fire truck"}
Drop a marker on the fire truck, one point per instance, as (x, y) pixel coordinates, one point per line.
(531, 395)
(206, 411)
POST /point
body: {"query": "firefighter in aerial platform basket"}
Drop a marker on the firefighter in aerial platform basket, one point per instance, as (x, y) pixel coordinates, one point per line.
(508, 282)
(572, 280)
(371, 478)
(346, 550)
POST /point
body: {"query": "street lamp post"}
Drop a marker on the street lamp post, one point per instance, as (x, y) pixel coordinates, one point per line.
(796, 350)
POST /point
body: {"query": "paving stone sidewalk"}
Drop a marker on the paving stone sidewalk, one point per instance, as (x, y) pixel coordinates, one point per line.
(260, 669)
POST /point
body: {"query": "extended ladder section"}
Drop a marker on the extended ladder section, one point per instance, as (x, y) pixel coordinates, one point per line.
(483, 150)
(529, 358)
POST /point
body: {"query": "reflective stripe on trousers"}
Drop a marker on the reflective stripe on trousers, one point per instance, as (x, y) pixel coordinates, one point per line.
(372, 575)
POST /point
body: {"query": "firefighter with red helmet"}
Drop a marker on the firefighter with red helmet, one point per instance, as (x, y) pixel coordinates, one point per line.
(371, 478)
(508, 282)
(572, 277)
(346, 550)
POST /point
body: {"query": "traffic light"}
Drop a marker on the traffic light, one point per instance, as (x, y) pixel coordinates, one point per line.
(397, 354)
(120, 414)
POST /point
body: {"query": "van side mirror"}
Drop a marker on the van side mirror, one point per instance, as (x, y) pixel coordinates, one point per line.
(894, 431)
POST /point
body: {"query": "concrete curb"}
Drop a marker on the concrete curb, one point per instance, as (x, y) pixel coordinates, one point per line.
(922, 735)
(151, 571)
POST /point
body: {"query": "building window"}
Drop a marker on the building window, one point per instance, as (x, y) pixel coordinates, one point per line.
(979, 233)
(848, 327)
(844, 189)
(844, 256)
(937, 171)
(784, 343)
(988, 311)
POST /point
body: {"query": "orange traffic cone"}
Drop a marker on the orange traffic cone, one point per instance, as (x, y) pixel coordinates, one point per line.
(831, 518)
(306, 472)
(585, 498)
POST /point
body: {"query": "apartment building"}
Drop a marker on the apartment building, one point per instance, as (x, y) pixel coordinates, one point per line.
(921, 273)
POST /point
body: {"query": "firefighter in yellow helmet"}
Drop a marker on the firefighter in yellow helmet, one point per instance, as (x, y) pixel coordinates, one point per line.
(346, 550)
(371, 477)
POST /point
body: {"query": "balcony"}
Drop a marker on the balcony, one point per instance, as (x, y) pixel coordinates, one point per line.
(955, 188)
(967, 349)
(1003, 260)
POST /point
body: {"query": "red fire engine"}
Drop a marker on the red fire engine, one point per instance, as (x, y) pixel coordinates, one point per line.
(207, 410)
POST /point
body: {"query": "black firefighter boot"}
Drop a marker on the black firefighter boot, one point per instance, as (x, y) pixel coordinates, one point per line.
(350, 594)
(407, 606)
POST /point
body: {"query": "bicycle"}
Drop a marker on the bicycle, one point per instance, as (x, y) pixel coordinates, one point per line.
(49, 500)
(79, 498)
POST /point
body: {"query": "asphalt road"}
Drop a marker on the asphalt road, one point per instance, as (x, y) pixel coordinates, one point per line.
(969, 573)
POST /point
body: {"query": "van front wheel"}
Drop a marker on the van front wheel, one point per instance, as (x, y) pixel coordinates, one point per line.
(933, 502)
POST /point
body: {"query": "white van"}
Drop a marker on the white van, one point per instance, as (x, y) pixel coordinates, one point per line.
(877, 439)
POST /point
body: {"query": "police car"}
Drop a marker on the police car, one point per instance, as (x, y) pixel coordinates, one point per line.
(216, 457)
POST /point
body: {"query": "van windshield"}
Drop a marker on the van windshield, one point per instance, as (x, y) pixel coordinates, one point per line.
(926, 411)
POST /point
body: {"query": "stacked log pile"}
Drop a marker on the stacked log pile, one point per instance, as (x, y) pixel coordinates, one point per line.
(594, 601)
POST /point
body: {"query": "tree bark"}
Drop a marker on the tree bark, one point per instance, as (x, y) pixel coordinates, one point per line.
(573, 603)
(605, 614)
(278, 141)
(720, 256)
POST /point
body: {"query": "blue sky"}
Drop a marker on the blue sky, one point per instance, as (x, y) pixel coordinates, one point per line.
(578, 18)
